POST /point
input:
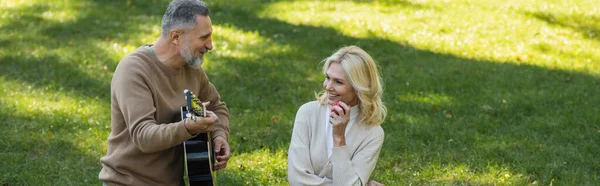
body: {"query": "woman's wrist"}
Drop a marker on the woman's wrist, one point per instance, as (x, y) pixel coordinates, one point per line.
(339, 128)
(339, 141)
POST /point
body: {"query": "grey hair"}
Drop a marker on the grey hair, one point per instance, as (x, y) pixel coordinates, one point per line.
(182, 14)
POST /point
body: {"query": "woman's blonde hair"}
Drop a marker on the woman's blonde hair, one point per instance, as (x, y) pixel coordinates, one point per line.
(363, 75)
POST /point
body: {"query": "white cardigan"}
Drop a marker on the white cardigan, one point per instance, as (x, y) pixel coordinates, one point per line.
(348, 165)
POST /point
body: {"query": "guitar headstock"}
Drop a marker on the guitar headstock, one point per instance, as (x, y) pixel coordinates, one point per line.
(194, 106)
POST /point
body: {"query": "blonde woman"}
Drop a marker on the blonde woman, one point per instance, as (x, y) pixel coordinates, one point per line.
(336, 139)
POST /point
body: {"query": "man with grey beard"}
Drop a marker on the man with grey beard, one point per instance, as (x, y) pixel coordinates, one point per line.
(144, 145)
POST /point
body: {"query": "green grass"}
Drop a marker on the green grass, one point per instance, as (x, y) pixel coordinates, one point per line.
(479, 92)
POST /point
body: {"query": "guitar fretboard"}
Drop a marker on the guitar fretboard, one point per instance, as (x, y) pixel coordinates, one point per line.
(194, 105)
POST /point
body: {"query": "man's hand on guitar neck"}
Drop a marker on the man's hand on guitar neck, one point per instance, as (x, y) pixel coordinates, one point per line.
(222, 152)
(202, 124)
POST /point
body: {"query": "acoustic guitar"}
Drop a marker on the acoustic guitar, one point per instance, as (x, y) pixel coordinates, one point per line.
(199, 156)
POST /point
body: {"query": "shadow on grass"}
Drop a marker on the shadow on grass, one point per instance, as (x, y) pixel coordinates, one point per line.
(403, 4)
(50, 73)
(39, 62)
(499, 113)
(588, 26)
(40, 150)
(96, 21)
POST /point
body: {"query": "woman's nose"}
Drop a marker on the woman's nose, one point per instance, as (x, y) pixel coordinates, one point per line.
(328, 85)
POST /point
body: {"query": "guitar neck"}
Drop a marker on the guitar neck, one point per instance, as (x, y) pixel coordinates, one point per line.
(194, 105)
(198, 151)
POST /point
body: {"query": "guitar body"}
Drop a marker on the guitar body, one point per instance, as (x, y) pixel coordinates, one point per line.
(199, 156)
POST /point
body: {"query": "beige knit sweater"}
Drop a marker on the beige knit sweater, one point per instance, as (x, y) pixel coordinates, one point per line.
(144, 145)
(352, 164)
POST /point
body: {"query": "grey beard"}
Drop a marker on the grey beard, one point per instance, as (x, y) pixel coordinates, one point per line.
(195, 63)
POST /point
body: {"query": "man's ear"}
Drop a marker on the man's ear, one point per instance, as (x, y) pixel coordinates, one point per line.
(175, 36)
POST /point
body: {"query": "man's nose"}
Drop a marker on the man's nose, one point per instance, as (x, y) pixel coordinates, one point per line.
(209, 45)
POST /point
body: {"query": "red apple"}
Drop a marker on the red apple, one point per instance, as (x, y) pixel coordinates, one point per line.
(336, 103)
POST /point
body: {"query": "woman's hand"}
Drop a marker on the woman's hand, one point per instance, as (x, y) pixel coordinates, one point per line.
(339, 118)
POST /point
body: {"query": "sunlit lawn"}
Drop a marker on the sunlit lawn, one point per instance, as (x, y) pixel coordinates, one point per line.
(479, 92)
